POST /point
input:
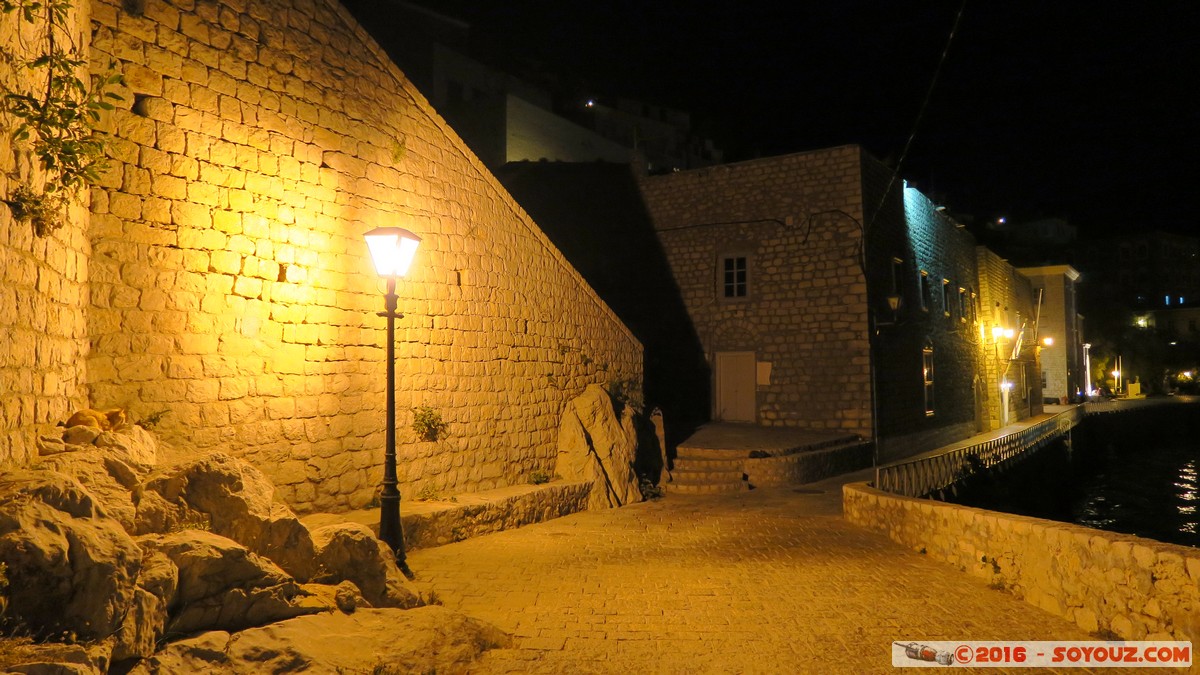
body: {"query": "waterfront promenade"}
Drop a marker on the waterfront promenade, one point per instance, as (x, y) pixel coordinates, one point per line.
(767, 581)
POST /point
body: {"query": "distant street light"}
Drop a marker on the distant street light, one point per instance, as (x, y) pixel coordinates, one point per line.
(392, 250)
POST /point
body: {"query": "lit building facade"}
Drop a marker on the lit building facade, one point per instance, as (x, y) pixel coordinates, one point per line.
(1060, 334)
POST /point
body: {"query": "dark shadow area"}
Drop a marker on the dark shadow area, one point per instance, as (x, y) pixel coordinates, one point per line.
(1135, 472)
(594, 214)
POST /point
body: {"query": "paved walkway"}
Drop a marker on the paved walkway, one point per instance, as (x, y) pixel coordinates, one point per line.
(768, 581)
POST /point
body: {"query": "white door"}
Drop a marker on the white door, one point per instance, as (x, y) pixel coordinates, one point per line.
(735, 395)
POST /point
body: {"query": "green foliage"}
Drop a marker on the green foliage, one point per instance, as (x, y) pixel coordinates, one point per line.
(625, 392)
(650, 491)
(538, 477)
(429, 494)
(58, 120)
(3, 578)
(153, 419)
(427, 424)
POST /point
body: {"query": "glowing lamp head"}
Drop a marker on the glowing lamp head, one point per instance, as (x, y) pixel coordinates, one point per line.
(392, 250)
(1048, 341)
(1116, 373)
(1006, 385)
(997, 332)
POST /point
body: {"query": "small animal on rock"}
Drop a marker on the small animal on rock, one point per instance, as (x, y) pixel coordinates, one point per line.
(105, 420)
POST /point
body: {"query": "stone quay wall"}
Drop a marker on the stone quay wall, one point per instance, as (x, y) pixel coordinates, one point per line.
(231, 290)
(1135, 588)
(43, 280)
(795, 220)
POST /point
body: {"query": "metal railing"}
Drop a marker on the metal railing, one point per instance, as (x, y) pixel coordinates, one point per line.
(926, 475)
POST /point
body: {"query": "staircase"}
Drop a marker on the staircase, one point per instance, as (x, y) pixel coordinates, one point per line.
(705, 471)
(713, 470)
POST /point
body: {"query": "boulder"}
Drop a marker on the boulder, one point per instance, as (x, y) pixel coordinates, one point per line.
(55, 658)
(71, 568)
(222, 585)
(50, 445)
(425, 640)
(234, 500)
(345, 597)
(80, 435)
(594, 445)
(146, 621)
(351, 552)
(108, 479)
(133, 445)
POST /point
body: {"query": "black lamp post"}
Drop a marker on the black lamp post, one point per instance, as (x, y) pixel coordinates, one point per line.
(392, 250)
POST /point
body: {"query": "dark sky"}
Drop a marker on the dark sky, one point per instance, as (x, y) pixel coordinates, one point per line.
(1079, 109)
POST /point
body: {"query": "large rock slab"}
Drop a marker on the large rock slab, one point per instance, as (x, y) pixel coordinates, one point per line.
(425, 640)
(222, 585)
(595, 445)
(350, 552)
(233, 499)
(146, 621)
(108, 479)
(71, 569)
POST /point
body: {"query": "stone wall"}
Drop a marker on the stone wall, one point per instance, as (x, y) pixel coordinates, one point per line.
(232, 289)
(1137, 588)
(928, 261)
(796, 218)
(1006, 301)
(43, 280)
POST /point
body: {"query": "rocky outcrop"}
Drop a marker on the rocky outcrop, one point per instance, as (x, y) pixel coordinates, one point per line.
(222, 585)
(234, 500)
(101, 546)
(350, 552)
(424, 640)
(71, 569)
(594, 445)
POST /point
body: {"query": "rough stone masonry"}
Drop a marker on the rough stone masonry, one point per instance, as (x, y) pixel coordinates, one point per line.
(221, 274)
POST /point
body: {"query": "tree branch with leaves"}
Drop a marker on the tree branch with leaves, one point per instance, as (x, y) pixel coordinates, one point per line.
(56, 116)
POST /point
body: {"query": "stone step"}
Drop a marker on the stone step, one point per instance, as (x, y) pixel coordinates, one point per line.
(694, 464)
(706, 489)
(686, 452)
(696, 476)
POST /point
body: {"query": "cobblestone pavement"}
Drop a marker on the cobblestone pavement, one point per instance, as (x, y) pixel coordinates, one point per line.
(768, 581)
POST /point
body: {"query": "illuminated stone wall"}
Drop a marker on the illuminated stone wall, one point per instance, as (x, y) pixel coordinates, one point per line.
(929, 261)
(231, 286)
(1006, 300)
(805, 316)
(43, 339)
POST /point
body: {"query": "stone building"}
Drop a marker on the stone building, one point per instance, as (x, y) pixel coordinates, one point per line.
(1059, 322)
(220, 279)
(827, 295)
(1008, 325)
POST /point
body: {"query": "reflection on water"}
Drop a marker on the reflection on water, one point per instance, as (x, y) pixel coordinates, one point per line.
(1151, 492)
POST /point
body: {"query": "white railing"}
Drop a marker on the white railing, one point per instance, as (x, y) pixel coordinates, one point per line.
(926, 475)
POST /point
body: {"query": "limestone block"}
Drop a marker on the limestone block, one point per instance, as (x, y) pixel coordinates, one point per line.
(426, 640)
(351, 552)
(146, 621)
(594, 446)
(71, 568)
(222, 585)
(237, 499)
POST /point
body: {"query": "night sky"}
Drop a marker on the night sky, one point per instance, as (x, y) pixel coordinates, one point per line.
(1082, 110)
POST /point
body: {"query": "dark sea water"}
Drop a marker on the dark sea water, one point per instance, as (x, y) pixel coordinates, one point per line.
(1134, 473)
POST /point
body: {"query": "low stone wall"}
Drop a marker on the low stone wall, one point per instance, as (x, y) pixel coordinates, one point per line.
(806, 467)
(1132, 587)
(493, 512)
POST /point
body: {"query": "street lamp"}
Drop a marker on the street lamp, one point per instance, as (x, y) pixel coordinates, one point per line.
(392, 250)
